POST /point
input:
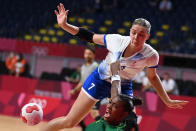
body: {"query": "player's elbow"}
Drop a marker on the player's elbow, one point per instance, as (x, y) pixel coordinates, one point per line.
(68, 123)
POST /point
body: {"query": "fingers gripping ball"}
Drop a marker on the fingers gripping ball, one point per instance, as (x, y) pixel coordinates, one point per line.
(32, 114)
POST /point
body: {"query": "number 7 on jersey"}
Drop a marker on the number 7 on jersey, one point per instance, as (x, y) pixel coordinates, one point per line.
(92, 85)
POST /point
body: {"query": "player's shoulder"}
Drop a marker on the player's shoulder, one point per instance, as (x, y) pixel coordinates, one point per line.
(116, 42)
(117, 36)
(123, 37)
(151, 55)
(149, 49)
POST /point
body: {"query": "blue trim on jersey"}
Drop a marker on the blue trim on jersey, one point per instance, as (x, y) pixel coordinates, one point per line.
(156, 66)
(105, 43)
(118, 54)
(138, 56)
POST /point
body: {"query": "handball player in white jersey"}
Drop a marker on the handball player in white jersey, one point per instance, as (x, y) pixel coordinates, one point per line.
(128, 55)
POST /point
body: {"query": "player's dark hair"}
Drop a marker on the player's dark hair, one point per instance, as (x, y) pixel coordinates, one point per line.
(129, 102)
(91, 48)
(143, 22)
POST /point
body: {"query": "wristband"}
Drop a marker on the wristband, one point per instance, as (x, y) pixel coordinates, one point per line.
(115, 78)
(85, 35)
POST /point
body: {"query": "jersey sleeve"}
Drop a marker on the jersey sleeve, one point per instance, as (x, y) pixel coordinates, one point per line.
(153, 61)
(112, 42)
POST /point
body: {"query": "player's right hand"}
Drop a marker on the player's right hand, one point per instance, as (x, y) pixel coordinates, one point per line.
(61, 15)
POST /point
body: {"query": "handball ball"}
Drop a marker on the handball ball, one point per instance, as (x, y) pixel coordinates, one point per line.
(32, 114)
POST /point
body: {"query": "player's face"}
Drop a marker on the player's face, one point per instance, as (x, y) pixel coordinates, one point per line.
(138, 35)
(88, 55)
(115, 111)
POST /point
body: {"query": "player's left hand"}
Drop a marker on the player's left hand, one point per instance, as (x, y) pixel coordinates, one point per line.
(177, 104)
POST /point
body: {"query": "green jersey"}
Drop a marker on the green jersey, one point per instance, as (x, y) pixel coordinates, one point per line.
(102, 125)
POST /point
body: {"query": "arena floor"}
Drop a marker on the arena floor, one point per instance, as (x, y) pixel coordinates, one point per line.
(8, 123)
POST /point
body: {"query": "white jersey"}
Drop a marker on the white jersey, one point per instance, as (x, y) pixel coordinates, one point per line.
(130, 66)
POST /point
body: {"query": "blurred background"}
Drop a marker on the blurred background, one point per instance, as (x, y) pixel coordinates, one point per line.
(38, 58)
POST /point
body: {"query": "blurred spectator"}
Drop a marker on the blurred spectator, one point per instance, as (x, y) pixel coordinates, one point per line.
(86, 69)
(20, 65)
(142, 79)
(75, 76)
(153, 3)
(165, 5)
(15, 64)
(10, 62)
(146, 85)
(139, 77)
(169, 85)
(98, 6)
(138, 80)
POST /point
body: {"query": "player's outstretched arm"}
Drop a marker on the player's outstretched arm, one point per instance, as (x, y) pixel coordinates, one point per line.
(115, 79)
(157, 85)
(54, 125)
(62, 14)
